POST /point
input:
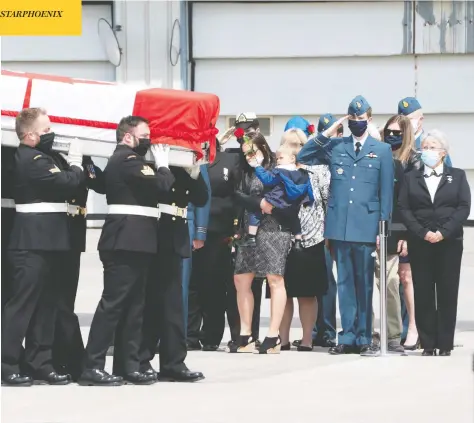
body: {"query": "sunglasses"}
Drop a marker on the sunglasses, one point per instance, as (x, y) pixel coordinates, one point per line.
(392, 132)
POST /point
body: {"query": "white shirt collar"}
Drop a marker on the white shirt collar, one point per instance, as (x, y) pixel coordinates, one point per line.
(438, 169)
(360, 139)
(287, 167)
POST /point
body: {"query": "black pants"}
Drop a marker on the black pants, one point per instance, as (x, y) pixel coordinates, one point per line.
(68, 347)
(30, 313)
(6, 275)
(436, 270)
(163, 316)
(211, 275)
(123, 298)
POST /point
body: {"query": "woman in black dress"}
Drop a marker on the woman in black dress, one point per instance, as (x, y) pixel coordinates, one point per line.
(306, 272)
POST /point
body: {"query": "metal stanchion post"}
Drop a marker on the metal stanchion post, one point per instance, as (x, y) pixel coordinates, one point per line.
(383, 234)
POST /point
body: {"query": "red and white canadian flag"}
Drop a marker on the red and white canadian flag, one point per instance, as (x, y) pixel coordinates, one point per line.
(93, 109)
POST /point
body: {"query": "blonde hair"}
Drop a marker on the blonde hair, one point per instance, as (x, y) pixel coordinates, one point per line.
(408, 139)
(26, 119)
(287, 149)
(294, 138)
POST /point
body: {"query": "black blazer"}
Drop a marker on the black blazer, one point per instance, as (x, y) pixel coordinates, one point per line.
(448, 212)
(224, 177)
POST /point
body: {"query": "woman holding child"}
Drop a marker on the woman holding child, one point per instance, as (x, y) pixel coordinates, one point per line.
(267, 258)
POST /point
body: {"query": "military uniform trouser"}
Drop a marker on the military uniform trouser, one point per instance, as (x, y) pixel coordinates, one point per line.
(120, 310)
(30, 313)
(68, 347)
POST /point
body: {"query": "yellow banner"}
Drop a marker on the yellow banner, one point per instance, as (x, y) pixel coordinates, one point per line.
(40, 17)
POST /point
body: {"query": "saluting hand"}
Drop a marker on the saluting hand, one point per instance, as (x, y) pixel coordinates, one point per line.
(332, 130)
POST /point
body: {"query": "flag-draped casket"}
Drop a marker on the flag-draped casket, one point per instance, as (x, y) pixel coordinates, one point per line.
(91, 110)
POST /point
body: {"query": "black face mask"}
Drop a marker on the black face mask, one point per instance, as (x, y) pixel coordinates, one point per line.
(143, 146)
(46, 143)
(395, 141)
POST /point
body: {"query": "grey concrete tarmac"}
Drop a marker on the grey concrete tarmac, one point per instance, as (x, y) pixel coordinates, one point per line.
(292, 386)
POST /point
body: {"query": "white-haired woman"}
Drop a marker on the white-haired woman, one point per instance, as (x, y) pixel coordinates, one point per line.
(306, 272)
(435, 202)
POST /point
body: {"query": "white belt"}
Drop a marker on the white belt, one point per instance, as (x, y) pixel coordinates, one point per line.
(8, 203)
(173, 210)
(50, 208)
(135, 210)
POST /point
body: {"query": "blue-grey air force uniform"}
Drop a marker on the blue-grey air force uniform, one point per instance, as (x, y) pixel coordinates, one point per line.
(361, 194)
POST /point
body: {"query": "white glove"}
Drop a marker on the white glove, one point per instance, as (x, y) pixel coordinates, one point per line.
(74, 155)
(193, 171)
(161, 155)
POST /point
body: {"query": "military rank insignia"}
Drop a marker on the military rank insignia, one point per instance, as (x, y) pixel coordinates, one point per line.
(147, 171)
(340, 171)
(55, 169)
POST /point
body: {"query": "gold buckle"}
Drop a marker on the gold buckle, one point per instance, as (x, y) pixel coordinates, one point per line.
(83, 211)
(180, 212)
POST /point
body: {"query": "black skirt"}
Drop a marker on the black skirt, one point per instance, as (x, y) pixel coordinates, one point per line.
(306, 272)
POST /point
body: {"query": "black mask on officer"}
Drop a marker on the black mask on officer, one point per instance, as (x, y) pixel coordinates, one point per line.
(46, 143)
(143, 146)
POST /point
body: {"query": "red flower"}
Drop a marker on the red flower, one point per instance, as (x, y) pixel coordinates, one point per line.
(239, 133)
(311, 130)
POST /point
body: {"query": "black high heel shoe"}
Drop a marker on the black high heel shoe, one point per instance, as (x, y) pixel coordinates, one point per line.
(244, 344)
(413, 347)
(269, 346)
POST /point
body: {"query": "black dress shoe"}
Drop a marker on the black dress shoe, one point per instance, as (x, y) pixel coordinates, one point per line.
(209, 347)
(325, 343)
(151, 372)
(17, 380)
(369, 350)
(180, 376)
(444, 353)
(138, 378)
(53, 378)
(342, 349)
(193, 346)
(97, 377)
(428, 353)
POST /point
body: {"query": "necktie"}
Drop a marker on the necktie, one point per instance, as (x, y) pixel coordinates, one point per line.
(358, 145)
(433, 173)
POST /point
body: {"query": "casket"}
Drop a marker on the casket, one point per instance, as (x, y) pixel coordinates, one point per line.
(91, 111)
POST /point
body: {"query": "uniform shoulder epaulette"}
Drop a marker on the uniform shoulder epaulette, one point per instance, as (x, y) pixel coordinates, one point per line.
(132, 156)
(37, 157)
